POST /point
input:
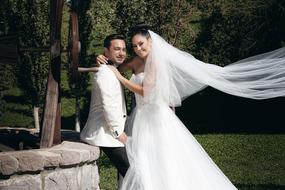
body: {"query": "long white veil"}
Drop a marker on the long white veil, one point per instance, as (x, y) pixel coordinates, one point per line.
(172, 75)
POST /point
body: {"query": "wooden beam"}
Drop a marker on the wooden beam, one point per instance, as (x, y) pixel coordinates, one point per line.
(50, 133)
(75, 45)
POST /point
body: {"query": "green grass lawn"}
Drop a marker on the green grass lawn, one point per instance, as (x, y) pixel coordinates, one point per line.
(18, 112)
(251, 162)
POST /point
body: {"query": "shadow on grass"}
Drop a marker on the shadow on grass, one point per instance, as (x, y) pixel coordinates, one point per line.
(68, 122)
(66, 93)
(260, 187)
(18, 104)
(17, 138)
(25, 112)
(70, 135)
(211, 111)
(21, 99)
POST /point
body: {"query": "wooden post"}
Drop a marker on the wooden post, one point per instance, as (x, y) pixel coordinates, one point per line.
(75, 46)
(50, 133)
(75, 49)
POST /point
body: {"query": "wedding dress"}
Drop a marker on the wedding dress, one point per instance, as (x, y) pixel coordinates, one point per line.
(164, 155)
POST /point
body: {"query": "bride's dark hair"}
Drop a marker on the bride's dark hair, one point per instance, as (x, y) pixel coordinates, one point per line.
(141, 29)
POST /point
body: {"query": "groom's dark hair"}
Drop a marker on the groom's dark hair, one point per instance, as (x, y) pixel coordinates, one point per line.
(108, 39)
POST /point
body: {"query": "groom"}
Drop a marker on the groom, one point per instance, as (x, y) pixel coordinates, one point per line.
(107, 115)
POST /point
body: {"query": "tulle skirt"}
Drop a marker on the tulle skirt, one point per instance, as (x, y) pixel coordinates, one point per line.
(164, 155)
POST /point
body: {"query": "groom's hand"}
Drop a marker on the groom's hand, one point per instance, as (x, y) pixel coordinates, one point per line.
(123, 138)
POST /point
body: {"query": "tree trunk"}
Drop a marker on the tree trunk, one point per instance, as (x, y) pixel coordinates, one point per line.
(36, 117)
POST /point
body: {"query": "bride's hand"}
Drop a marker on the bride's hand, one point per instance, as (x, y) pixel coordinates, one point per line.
(101, 59)
(115, 70)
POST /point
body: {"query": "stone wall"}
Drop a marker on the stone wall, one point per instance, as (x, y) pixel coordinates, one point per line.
(68, 166)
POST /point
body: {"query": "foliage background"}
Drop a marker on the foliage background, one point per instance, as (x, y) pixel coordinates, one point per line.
(215, 31)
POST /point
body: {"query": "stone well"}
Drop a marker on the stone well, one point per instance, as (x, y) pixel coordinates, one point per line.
(68, 166)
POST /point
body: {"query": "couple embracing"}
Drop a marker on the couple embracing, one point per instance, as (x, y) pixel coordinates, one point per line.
(161, 154)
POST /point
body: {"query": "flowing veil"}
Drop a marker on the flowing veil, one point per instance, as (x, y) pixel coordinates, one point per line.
(173, 75)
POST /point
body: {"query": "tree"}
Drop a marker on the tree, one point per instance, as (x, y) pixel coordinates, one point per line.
(231, 30)
(29, 20)
(170, 19)
(7, 69)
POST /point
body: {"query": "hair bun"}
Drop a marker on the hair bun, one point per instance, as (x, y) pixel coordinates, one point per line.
(142, 26)
(139, 27)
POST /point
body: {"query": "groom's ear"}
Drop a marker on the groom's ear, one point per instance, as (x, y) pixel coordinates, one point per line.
(106, 52)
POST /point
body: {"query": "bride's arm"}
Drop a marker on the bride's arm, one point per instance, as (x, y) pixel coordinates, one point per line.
(131, 86)
(127, 83)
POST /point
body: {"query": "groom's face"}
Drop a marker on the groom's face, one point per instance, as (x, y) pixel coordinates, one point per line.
(116, 52)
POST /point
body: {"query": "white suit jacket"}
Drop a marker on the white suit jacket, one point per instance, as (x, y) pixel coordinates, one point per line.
(107, 114)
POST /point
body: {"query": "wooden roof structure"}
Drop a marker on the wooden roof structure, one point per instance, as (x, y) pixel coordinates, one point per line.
(50, 132)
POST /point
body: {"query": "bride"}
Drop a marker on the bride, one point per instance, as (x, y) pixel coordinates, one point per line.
(163, 154)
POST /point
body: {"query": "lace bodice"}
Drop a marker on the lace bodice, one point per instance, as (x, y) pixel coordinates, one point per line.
(138, 79)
